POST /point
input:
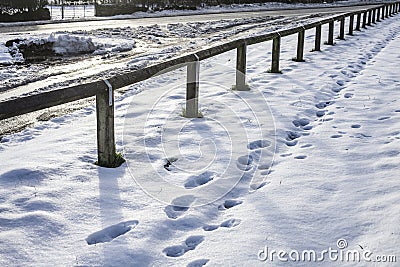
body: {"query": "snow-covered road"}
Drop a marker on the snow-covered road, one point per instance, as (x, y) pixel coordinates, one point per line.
(179, 17)
(329, 166)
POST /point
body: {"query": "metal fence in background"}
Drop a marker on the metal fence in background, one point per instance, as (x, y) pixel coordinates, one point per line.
(71, 12)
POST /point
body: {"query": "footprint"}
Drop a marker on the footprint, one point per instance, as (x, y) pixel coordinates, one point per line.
(320, 113)
(175, 251)
(198, 263)
(301, 122)
(198, 180)
(336, 136)
(308, 127)
(258, 144)
(306, 145)
(179, 206)
(211, 227)
(229, 203)
(398, 110)
(226, 224)
(356, 126)
(264, 166)
(292, 136)
(258, 186)
(244, 163)
(348, 95)
(323, 105)
(111, 232)
(230, 223)
(193, 241)
(190, 244)
(340, 82)
(291, 143)
(301, 157)
(286, 155)
(383, 118)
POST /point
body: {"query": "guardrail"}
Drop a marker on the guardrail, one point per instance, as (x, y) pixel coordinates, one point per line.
(104, 89)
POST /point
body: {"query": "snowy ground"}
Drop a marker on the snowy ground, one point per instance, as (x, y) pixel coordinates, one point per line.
(327, 167)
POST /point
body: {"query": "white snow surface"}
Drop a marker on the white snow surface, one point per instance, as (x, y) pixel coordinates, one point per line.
(326, 168)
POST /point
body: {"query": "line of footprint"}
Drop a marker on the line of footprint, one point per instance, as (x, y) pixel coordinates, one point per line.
(181, 205)
(303, 124)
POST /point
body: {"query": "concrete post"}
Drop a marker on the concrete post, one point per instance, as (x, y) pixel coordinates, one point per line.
(358, 24)
(369, 17)
(192, 90)
(105, 128)
(241, 69)
(318, 32)
(351, 24)
(300, 46)
(276, 50)
(378, 14)
(330, 33)
(341, 33)
(365, 19)
(373, 16)
(383, 13)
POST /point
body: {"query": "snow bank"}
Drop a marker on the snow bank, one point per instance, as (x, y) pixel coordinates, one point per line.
(55, 45)
(66, 44)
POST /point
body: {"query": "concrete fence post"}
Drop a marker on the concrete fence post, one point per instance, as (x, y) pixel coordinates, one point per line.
(342, 26)
(351, 25)
(369, 17)
(241, 69)
(364, 23)
(105, 128)
(358, 24)
(387, 11)
(382, 12)
(318, 33)
(330, 32)
(276, 50)
(378, 14)
(192, 90)
(300, 46)
(374, 16)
